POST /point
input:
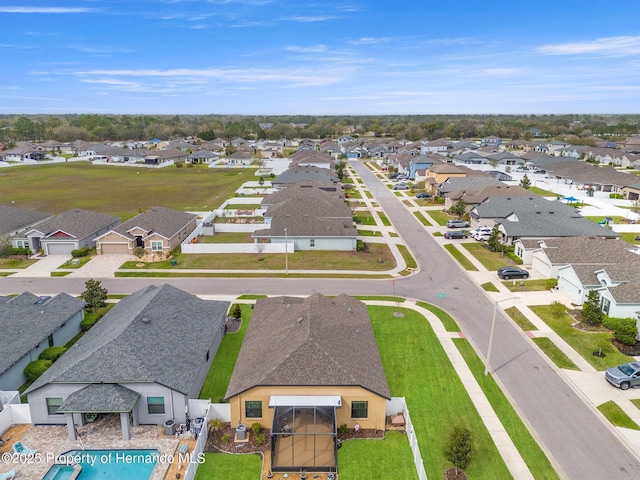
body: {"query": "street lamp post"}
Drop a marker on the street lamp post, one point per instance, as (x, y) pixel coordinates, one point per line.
(286, 253)
(493, 328)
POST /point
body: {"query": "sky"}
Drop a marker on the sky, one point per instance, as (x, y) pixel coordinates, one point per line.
(319, 57)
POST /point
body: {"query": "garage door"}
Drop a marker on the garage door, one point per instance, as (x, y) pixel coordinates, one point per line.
(59, 248)
(117, 248)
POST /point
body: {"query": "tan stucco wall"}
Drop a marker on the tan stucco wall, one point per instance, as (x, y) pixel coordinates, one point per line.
(376, 411)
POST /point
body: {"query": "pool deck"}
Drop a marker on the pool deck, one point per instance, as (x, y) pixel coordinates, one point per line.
(104, 434)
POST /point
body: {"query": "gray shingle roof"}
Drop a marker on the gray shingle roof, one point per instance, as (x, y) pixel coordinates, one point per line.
(25, 322)
(100, 398)
(296, 175)
(78, 223)
(122, 347)
(13, 219)
(453, 184)
(160, 220)
(306, 342)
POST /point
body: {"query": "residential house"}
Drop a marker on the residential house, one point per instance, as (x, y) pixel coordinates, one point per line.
(419, 162)
(534, 217)
(582, 264)
(292, 176)
(158, 230)
(203, 157)
(239, 158)
(584, 175)
(142, 361)
(13, 220)
(473, 198)
(504, 158)
(491, 141)
(311, 158)
(311, 218)
(631, 191)
(31, 324)
(67, 231)
(441, 172)
(470, 158)
(306, 366)
(22, 154)
(470, 182)
(435, 146)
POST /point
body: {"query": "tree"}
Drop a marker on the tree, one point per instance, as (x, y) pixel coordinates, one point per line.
(236, 312)
(261, 181)
(459, 208)
(591, 311)
(139, 252)
(459, 448)
(590, 191)
(6, 249)
(260, 249)
(494, 239)
(94, 295)
(525, 182)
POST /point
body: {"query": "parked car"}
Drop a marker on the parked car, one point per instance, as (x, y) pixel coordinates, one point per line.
(403, 176)
(624, 376)
(512, 272)
(457, 224)
(478, 229)
(455, 234)
(482, 236)
(401, 186)
(393, 175)
(423, 195)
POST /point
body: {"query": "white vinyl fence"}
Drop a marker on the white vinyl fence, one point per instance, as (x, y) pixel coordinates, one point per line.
(13, 412)
(394, 406)
(214, 410)
(237, 248)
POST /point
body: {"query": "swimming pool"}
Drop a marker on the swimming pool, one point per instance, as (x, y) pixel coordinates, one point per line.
(112, 464)
(59, 472)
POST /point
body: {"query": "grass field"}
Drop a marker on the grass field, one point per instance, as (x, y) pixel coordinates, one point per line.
(422, 219)
(617, 416)
(440, 217)
(541, 192)
(490, 260)
(585, 343)
(527, 285)
(221, 466)
(230, 237)
(556, 355)
(15, 264)
(489, 287)
(459, 256)
(120, 191)
(521, 320)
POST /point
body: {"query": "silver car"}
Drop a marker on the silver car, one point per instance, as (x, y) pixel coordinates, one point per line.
(624, 376)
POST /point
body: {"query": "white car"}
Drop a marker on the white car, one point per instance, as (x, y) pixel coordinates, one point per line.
(481, 233)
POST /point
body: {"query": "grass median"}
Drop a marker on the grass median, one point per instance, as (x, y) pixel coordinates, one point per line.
(459, 256)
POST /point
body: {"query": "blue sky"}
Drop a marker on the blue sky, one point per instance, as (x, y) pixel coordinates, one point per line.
(319, 57)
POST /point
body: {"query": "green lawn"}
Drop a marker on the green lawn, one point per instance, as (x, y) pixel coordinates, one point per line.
(447, 320)
(15, 264)
(459, 256)
(521, 320)
(117, 190)
(230, 237)
(251, 297)
(408, 258)
(380, 459)
(418, 369)
(556, 355)
(585, 343)
(492, 261)
(636, 402)
(76, 263)
(364, 218)
(242, 206)
(217, 381)
(617, 416)
(422, 219)
(599, 218)
(489, 287)
(440, 217)
(383, 218)
(301, 260)
(532, 454)
(527, 285)
(541, 192)
(630, 237)
(223, 466)
(369, 233)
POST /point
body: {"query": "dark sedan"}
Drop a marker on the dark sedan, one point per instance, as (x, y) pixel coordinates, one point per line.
(455, 234)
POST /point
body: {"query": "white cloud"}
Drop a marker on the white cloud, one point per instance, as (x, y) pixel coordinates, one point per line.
(310, 49)
(609, 46)
(98, 50)
(309, 18)
(371, 40)
(46, 10)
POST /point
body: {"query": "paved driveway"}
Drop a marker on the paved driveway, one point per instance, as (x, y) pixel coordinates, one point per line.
(43, 267)
(101, 266)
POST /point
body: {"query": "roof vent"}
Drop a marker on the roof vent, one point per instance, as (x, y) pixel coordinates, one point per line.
(145, 320)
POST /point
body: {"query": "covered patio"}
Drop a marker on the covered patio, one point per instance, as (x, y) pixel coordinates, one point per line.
(304, 434)
(87, 403)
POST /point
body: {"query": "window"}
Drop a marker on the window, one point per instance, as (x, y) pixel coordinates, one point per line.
(53, 404)
(359, 409)
(155, 405)
(606, 303)
(312, 242)
(50, 340)
(156, 246)
(253, 409)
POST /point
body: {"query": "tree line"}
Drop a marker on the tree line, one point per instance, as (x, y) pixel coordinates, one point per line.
(93, 127)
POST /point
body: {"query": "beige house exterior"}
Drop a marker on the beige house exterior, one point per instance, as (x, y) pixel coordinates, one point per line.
(158, 230)
(307, 366)
(441, 173)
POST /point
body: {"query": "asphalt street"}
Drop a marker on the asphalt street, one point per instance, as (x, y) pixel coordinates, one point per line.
(581, 445)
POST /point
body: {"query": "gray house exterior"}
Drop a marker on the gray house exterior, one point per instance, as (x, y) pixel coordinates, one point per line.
(31, 324)
(67, 231)
(143, 360)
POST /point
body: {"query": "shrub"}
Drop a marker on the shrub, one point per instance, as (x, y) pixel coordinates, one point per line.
(36, 368)
(343, 428)
(20, 251)
(551, 283)
(260, 440)
(591, 311)
(617, 196)
(255, 428)
(80, 252)
(557, 309)
(52, 353)
(89, 321)
(459, 448)
(226, 438)
(236, 312)
(625, 330)
(216, 424)
(360, 246)
(179, 165)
